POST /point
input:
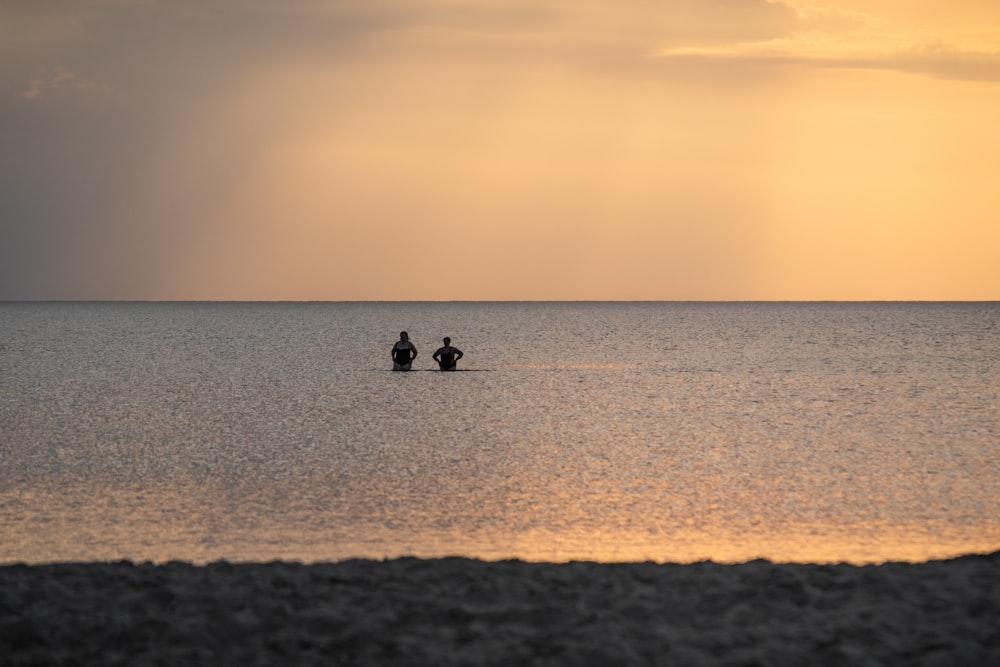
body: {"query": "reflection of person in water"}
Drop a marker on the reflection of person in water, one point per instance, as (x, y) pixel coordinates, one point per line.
(403, 353)
(447, 356)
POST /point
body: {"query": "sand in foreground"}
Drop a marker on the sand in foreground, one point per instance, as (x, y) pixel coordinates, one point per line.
(465, 612)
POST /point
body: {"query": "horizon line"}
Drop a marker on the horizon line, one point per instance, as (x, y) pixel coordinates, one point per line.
(444, 301)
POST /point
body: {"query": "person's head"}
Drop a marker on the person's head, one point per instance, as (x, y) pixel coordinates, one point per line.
(447, 341)
(403, 335)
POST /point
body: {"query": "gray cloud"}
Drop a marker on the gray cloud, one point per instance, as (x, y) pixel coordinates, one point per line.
(125, 44)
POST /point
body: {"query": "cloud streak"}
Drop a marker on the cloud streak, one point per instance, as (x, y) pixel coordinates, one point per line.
(61, 81)
(821, 51)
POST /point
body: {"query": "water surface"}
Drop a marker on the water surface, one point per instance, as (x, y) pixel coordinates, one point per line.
(597, 431)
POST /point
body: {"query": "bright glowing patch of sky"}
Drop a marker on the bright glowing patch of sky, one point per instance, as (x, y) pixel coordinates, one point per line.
(432, 149)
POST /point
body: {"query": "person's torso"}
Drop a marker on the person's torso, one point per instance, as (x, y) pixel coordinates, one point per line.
(402, 351)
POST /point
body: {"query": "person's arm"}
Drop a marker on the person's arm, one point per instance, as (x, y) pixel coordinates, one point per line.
(437, 353)
(414, 349)
(458, 354)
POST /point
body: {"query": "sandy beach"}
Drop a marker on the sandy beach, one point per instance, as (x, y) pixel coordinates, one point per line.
(458, 611)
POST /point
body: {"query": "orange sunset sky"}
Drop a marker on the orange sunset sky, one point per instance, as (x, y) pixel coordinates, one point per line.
(496, 150)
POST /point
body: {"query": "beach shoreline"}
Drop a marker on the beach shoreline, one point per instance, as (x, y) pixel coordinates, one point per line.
(460, 611)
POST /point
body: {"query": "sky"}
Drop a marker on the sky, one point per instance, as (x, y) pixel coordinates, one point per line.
(500, 150)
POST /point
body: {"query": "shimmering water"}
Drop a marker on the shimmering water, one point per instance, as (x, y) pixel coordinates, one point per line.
(598, 431)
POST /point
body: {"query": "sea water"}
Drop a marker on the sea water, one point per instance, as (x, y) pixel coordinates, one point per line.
(817, 432)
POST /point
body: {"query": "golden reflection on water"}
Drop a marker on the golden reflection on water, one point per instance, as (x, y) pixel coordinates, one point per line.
(216, 522)
(816, 544)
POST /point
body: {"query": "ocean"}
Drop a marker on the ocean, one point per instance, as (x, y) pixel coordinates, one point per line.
(668, 432)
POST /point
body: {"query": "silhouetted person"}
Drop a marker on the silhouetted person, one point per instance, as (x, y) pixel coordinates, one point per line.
(403, 353)
(447, 356)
